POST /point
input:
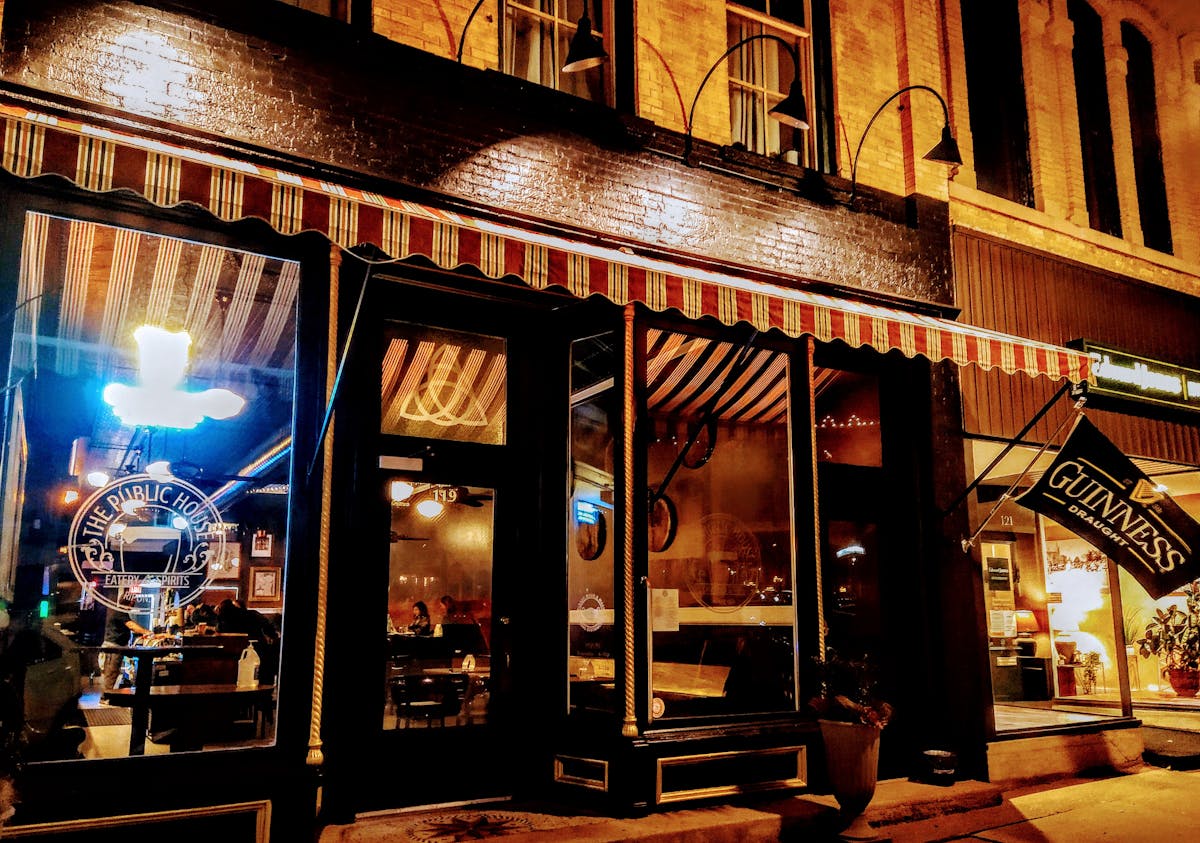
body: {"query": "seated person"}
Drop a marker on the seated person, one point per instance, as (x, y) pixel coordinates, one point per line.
(453, 613)
(420, 623)
(200, 617)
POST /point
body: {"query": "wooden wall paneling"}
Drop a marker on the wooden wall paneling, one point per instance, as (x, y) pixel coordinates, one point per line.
(993, 294)
(1034, 295)
(976, 410)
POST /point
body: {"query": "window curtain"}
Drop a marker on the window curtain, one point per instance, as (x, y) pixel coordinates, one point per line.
(757, 64)
(530, 48)
(745, 125)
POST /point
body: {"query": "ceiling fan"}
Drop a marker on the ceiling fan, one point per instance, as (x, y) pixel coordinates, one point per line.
(402, 537)
(468, 498)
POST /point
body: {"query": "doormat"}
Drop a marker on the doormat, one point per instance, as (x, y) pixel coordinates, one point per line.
(455, 826)
(104, 716)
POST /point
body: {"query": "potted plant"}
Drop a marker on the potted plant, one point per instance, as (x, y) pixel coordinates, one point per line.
(1173, 635)
(851, 717)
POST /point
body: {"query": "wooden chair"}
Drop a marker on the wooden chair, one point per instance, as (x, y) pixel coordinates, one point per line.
(413, 697)
(208, 667)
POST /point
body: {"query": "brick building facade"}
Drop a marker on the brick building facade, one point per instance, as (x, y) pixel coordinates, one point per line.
(315, 192)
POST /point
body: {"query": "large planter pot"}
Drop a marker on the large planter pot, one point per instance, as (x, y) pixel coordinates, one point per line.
(852, 759)
(1185, 682)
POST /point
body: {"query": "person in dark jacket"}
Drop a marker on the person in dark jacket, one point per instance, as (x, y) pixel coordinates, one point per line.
(233, 617)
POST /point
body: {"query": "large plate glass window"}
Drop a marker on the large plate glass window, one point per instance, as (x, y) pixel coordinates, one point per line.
(1051, 613)
(720, 527)
(146, 452)
(761, 74)
(591, 597)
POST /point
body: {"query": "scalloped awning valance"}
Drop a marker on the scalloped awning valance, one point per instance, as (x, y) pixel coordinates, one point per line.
(100, 159)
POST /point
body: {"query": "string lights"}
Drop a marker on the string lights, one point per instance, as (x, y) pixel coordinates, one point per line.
(831, 422)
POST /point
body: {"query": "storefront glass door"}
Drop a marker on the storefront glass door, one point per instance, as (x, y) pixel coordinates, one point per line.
(430, 561)
(439, 606)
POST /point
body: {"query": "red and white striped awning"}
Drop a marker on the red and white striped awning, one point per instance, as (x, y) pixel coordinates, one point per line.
(99, 159)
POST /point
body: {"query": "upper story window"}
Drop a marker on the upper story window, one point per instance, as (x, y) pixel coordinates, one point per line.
(1095, 125)
(333, 8)
(761, 74)
(1147, 146)
(537, 38)
(999, 120)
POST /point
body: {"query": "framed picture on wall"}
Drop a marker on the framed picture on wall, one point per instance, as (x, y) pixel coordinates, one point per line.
(264, 583)
(260, 543)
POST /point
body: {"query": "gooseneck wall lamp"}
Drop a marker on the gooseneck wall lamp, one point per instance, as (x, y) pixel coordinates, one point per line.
(463, 37)
(792, 110)
(946, 151)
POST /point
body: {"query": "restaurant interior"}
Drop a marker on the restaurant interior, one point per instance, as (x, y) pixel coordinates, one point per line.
(146, 462)
(1053, 622)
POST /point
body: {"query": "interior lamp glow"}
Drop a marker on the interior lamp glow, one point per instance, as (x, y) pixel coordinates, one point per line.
(70, 496)
(157, 401)
(401, 490)
(97, 478)
(159, 470)
(430, 508)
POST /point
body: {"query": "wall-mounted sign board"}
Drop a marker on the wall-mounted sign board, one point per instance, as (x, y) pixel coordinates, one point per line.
(1119, 374)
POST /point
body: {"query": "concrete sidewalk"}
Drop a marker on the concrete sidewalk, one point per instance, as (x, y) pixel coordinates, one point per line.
(805, 816)
(1151, 804)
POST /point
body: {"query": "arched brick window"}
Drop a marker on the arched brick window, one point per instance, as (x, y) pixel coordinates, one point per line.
(999, 119)
(1147, 147)
(1095, 123)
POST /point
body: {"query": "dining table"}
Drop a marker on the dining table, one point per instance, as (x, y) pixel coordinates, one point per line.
(193, 709)
(139, 703)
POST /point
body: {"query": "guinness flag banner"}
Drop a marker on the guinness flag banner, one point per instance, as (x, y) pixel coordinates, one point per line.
(1096, 492)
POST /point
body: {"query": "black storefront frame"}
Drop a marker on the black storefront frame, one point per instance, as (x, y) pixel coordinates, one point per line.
(283, 763)
(265, 778)
(415, 292)
(911, 391)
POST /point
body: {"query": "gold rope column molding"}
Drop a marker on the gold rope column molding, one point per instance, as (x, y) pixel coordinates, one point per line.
(810, 349)
(629, 726)
(315, 756)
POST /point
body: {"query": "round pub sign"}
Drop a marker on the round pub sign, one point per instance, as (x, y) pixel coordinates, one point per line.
(140, 532)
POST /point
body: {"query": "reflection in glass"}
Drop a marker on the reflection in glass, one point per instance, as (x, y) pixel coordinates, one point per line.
(847, 416)
(1081, 623)
(127, 522)
(439, 605)
(850, 574)
(590, 593)
(443, 384)
(721, 591)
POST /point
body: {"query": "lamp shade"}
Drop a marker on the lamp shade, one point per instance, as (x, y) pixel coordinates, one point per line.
(1026, 621)
(946, 151)
(792, 110)
(586, 49)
